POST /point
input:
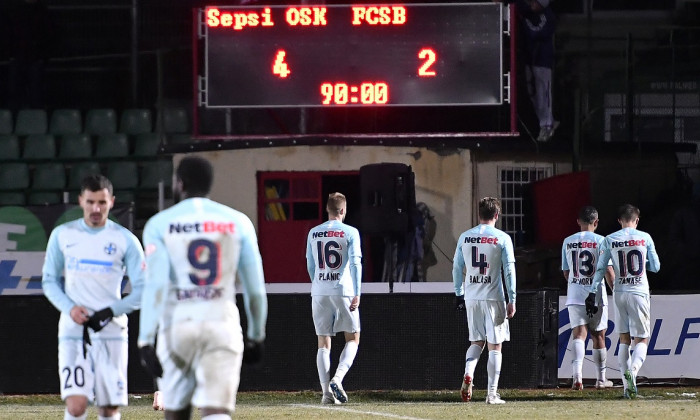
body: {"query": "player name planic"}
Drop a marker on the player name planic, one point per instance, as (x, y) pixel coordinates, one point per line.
(302, 16)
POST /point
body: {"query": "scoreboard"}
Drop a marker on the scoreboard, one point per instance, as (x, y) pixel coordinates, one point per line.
(437, 54)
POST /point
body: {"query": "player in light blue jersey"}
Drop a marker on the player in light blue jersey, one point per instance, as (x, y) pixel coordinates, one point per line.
(482, 252)
(579, 258)
(334, 262)
(194, 251)
(92, 254)
(633, 254)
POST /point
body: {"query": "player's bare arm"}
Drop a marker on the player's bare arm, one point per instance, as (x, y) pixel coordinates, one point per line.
(79, 314)
(355, 303)
(510, 311)
(610, 277)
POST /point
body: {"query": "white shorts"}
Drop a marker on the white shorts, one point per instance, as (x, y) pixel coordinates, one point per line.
(101, 376)
(332, 315)
(487, 321)
(632, 314)
(201, 364)
(578, 317)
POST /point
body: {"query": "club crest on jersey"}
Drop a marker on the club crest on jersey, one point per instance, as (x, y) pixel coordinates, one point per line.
(110, 248)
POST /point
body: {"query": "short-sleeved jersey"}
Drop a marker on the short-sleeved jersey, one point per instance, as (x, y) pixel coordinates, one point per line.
(194, 250)
(93, 262)
(483, 250)
(579, 256)
(632, 253)
(334, 259)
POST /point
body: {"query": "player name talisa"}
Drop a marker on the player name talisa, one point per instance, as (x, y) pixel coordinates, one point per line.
(329, 276)
(480, 279)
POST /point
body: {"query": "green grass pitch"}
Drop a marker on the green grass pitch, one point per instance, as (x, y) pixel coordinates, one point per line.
(653, 403)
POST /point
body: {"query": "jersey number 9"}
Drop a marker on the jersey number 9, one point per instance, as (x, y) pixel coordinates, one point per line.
(203, 256)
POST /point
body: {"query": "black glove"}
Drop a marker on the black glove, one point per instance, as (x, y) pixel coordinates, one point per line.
(150, 361)
(591, 308)
(253, 352)
(459, 303)
(100, 319)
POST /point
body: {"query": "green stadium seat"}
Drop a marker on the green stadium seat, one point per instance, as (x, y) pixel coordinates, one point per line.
(80, 170)
(112, 145)
(124, 175)
(48, 183)
(146, 145)
(14, 176)
(31, 121)
(38, 198)
(39, 146)
(65, 121)
(5, 122)
(175, 121)
(100, 121)
(12, 199)
(9, 147)
(49, 176)
(75, 146)
(136, 121)
(154, 172)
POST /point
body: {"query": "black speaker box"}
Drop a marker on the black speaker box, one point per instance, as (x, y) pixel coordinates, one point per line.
(388, 198)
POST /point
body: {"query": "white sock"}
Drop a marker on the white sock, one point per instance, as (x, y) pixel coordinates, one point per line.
(577, 363)
(623, 357)
(600, 358)
(323, 364)
(67, 416)
(471, 359)
(640, 353)
(494, 370)
(347, 356)
(217, 417)
(116, 416)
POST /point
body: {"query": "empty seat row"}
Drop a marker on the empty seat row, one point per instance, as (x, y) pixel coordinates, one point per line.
(63, 122)
(46, 183)
(78, 146)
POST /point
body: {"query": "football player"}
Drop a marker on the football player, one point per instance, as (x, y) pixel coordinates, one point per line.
(633, 254)
(579, 258)
(194, 250)
(481, 253)
(334, 263)
(92, 255)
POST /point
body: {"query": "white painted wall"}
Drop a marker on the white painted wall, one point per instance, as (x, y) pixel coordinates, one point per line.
(444, 183)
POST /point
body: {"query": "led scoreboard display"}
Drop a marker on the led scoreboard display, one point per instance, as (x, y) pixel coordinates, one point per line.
(352, 55)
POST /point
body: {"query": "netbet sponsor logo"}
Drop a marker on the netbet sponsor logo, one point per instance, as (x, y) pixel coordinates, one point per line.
(328, 234)
(480, 240)
(203, 227)
(631, 242)
(581, 245)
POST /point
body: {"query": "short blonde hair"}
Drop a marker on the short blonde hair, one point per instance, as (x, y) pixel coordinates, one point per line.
(336, 202)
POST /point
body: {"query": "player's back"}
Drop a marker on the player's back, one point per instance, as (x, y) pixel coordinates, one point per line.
(333, 247)
(580, 253)
(204, 241)
(483, 248)
(629, 251)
